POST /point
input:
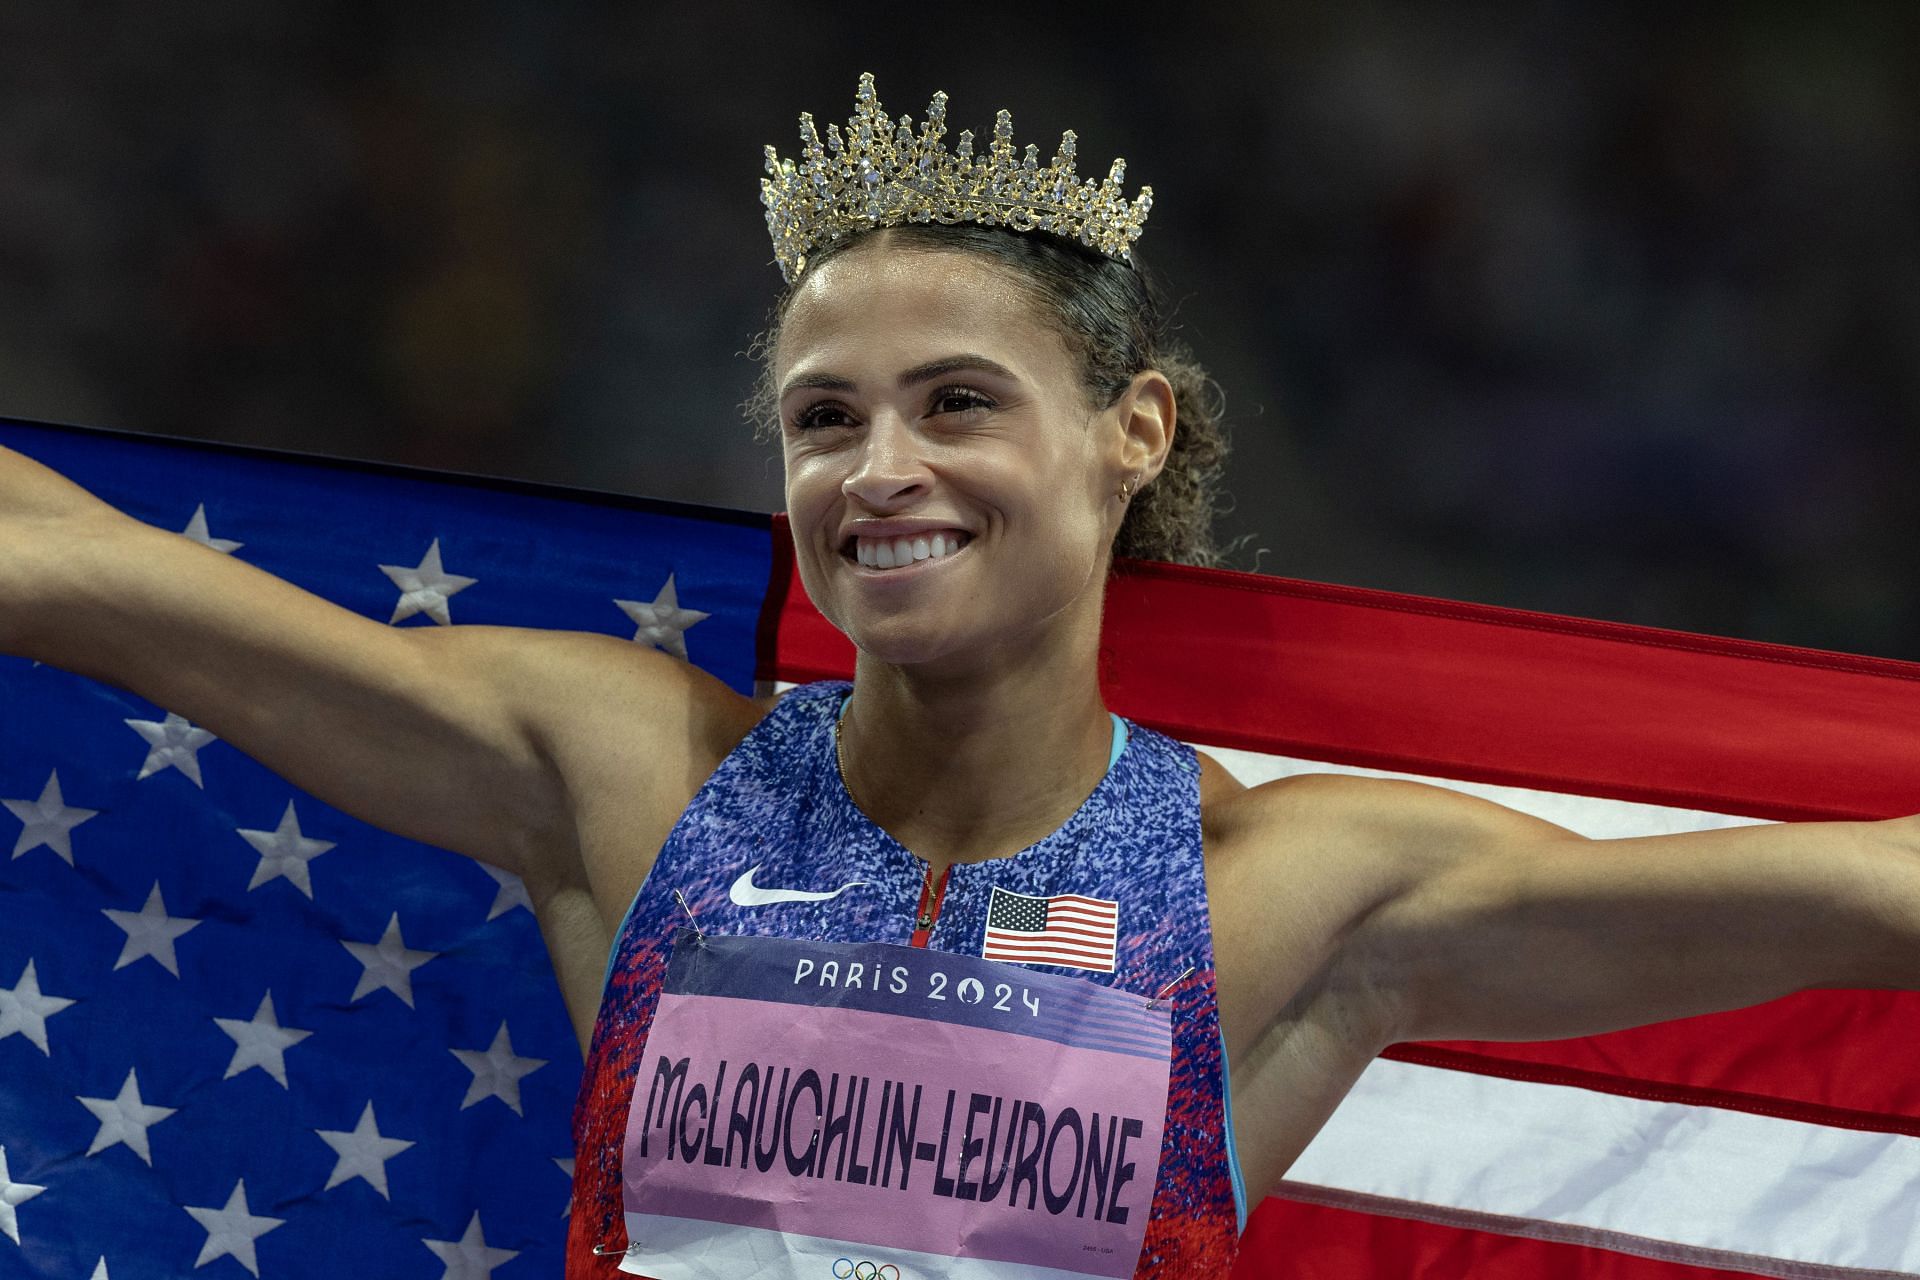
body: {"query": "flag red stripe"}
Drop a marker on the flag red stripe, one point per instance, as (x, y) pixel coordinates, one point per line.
(1289, 1240)
(1837, 1057)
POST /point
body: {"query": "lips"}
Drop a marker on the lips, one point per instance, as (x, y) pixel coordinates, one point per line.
(902, 550)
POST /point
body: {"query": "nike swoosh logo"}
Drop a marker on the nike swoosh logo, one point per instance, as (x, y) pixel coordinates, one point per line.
(745, 893)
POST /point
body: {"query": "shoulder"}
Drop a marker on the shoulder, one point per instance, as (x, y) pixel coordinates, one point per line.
(630, 734)
(1321, 806)
(588, 693)
(1352, 845)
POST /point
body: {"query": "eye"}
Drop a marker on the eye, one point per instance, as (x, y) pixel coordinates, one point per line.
(966, 399)
(813, 416)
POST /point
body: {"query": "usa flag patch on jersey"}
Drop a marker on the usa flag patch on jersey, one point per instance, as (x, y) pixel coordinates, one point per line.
(1066, 929)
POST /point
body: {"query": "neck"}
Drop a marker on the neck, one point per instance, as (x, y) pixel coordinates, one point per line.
(963, 768)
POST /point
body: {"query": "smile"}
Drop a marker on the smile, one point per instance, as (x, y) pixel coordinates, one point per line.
(900, 553)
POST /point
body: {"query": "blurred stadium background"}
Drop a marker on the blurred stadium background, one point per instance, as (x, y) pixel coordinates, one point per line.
(1607, 309)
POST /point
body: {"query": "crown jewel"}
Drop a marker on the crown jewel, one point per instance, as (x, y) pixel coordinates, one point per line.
(881, 173)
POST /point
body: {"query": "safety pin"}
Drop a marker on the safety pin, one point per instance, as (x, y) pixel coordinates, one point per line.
(1183, 975)
(698, 932)
(601, 1251)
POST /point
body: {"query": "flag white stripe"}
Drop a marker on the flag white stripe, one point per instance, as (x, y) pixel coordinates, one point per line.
(1696, 1176)
(1592, 816)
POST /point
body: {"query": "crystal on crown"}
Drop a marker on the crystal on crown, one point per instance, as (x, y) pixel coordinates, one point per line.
(881, 174)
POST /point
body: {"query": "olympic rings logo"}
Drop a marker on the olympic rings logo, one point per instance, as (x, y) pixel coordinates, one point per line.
(848, 1269)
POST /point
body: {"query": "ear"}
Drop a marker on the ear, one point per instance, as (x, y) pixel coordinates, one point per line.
(1147, 419)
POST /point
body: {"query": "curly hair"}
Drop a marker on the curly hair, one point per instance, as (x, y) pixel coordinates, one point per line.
(1114, 322)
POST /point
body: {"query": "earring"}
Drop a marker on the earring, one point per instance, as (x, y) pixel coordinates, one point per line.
(1126, 487)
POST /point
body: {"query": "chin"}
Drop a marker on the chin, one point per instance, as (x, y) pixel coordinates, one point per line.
(900, 641)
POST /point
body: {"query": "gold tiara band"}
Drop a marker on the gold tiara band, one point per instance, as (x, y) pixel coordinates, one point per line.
(880, 173)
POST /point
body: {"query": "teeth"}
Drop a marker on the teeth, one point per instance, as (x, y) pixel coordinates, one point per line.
(892, 553)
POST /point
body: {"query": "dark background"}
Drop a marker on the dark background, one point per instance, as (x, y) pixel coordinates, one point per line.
(1604, 309)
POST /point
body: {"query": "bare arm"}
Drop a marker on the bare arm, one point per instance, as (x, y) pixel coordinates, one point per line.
(1503, 927)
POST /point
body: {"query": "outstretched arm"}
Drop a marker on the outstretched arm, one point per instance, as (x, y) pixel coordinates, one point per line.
(472, 738)
(400, 728)
(505, 744)
(1504, 927)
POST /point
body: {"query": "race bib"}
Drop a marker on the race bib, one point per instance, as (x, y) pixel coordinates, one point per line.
(868, 1111)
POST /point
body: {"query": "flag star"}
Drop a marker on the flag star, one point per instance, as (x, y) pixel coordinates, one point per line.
(151, 932)
(662, 623)
(50, 821)
(24, 1010)
(100, 1270)
(197, 530)
(425, 588)
(284, 851)
(566, 1167)
(172, 744)
(261, 1043)
(469, 1257)
(363, 1153)
(512, 892)
(125, 1118)
(496, 1071)
(388, 963)
(12, 1195)
(232, 1230)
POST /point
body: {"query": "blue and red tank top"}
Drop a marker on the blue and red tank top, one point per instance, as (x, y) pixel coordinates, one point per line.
(776, 807)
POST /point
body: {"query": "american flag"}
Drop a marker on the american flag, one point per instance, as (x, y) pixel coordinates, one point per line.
(146, 1130)
(1066, 929)
(240, 1032)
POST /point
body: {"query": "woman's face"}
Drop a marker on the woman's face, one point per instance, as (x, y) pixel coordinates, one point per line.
(951, 491)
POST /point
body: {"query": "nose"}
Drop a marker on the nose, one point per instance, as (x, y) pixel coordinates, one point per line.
(888, 471)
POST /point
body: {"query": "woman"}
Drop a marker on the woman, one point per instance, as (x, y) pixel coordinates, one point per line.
(972, 416)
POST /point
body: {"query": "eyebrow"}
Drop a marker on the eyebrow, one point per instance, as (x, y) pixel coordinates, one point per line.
(912, 377)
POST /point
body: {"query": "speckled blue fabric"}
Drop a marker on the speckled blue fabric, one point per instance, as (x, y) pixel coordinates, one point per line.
(778, 803)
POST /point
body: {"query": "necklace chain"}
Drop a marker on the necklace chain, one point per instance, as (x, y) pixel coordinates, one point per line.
(840, 758)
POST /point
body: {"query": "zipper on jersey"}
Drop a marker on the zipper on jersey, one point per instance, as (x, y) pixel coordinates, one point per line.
(933, 891)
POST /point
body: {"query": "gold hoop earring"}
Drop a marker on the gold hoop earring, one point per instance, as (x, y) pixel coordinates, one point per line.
(1126, 488)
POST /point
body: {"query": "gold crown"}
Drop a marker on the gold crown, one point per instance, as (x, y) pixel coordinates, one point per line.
(881, 174)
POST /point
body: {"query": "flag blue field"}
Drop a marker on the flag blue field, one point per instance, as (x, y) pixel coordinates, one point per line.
(241, 1032)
